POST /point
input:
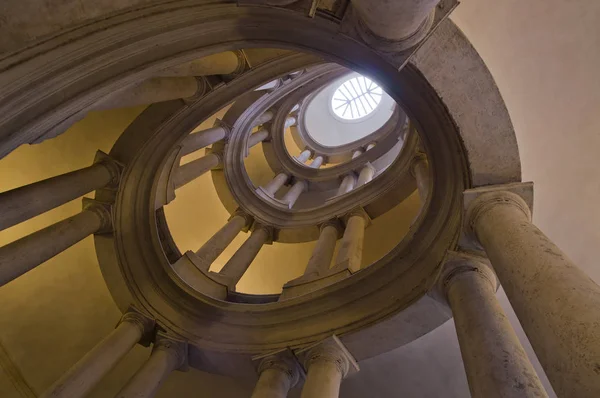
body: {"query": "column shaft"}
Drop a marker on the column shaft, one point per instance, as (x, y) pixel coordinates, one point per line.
(304, 156)
(202, 139)
(24, 254)
(146, 382)
(421, 173)
(293, 194)
(237, 265)
(317, 162)
(272, 383)
(366, 175)
(351, 247)
(194, 169)
(557, 304)
(289, 122)
(257, 137)
(90, 369)
(26, 202)
(323, 380)
(276, 183)
(264, 118)
(320, 260)
(357, 153)
(213, 248)
(224, 63)
(495, 362)
(347, 184)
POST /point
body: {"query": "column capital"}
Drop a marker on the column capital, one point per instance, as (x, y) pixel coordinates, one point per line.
(478, 201)
(178, 348)
(271, 232)
(283, 360)
(114, 168)
(103, 210)
(329, 350)
(248, 218)
(460, 264)
(359, 211)
(334, 222)
(143, 322)
(202, 88)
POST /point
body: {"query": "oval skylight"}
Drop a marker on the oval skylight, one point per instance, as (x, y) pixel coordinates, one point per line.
(356, 98)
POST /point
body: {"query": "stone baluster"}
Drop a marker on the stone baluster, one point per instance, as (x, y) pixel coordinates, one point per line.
(258, 137)
(348, 184)
(237, 265)
(26, 202)
(278, 373)
(495, 362)
(557, 304)
(276, 183)
(326, 365)
(419, 169)
(263, 118)
(294, 193)
(317, 162)
(26, 253)
(304, 156)
(167, 355)
(84, 375)
(351, 247)
(213, 247)
(204, 138)
(366, 174)
(194, 169)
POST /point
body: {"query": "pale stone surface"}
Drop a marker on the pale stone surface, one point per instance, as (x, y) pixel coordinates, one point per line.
(274, 185)
(351, 245)
(556, 302)
(278, 373)
(220, 240)
(194, 169)
(237, 265)
(203, 138)
(495, 362)
(366, 175)
(257, 137)
(294, 193)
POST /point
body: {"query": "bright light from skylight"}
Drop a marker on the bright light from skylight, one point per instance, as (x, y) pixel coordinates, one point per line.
(356, 98)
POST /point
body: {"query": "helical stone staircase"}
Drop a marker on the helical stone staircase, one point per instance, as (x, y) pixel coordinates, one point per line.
(448, 135)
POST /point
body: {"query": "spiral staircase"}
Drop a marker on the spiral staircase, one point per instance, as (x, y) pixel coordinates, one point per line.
(245, 92)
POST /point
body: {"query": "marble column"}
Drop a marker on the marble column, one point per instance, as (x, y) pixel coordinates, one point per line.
(326, 364)
(320, 260)
(304, 156)
(347, 184)
(26, 253)
(194, 169)
(277, 375)
(351, 246)
(213, 247)
(366, 174)
(167, 355)
(237, 265)
(495, 362)
(201, 139)
(85, 374)
(257, 137)
(294, 193)
(276, 183)
(557, 304)
(26, 202)
(317, 162)
(420, 171)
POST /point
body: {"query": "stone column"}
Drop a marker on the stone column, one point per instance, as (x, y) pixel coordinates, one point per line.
(320, 260)
(237, 265)
(24, 254)
(419, 169)
(293, 194)
(26, 202)
(357, 153)
(194, 169)
(371, 146)
(276, 183)
(558, 305)
(366, 174)
(167, 355)
(289, 122)
(85, 374)
(317, 162)
(264, 118)
(347, 184)
(213, 247)
(277, 375)
(257, 137)
(495, 362)
(351, 247)
(304, 156)
(326, 364)
(202, 139)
